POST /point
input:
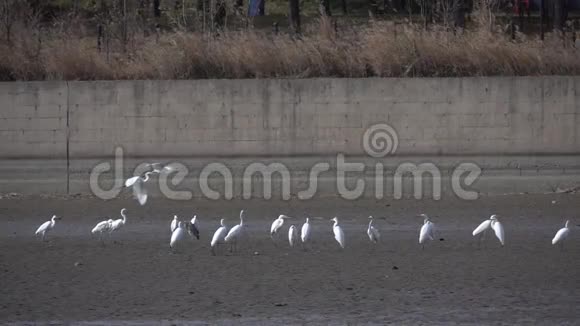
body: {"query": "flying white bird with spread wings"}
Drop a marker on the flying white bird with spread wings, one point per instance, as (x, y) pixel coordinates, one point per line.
(498, 229)
(138, 184)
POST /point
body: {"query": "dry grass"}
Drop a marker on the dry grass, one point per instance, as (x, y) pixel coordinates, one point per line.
(378, 49)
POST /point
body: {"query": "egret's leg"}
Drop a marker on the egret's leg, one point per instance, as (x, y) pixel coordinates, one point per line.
(43, 233)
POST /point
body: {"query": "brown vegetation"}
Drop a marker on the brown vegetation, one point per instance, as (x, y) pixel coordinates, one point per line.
(376, 48)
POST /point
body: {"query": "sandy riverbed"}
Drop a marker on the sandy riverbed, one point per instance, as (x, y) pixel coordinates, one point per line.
(138, 281)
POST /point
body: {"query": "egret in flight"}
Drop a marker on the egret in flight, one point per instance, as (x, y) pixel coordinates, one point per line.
(159, 168)
(139, 191)
(372, 232)
(292, 235)
(482, 228)
(497, 229)
(305, 232)
(235, 233)
(561, 235)
(46, 227)
(338, 233)
(218, 236)
(177, 235)
(426, 231)
(276, 225)
(192, 228)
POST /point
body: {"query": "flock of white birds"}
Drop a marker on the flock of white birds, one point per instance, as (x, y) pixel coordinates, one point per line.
(231, 236)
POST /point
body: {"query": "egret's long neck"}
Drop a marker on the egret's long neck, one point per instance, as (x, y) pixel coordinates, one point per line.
(567, 222)
(241, 220)
(222, 222)
(124, 216)
(146, 176)
(335, 223)
(53, 219)
(307, 220)
(370, 223)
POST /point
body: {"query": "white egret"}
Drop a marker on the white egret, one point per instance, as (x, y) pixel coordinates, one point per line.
(139, 191)
(292, 235)
(158, 168)
(561, 235)
(277, 224)
(498, 229)
(305, 232)
(118, 223)
(235, 233)
(101, 227)
(192, 228)
(46, 227)
(177, 235)
(174, 222)
(218, 236)
(426, 231)
(482, 228)
(338, 233)
(372, 232)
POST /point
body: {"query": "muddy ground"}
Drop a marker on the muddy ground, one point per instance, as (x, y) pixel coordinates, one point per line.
(135, 279)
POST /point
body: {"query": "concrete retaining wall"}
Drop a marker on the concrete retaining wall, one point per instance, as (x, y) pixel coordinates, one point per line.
(70, 126)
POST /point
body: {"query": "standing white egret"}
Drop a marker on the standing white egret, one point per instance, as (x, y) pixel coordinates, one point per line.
(292, 235)
(497, 229)
(46, 227)
(482, 228)
(338, 233)
(139, 191)
(235, 233)
(426, 231)
(174, 222)
(192, 228)
(372, 232)
(305, 232)
(102, 227)
(218, 236)
(118, 223)
(561, 235)
(277, 224)
(177, 235)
